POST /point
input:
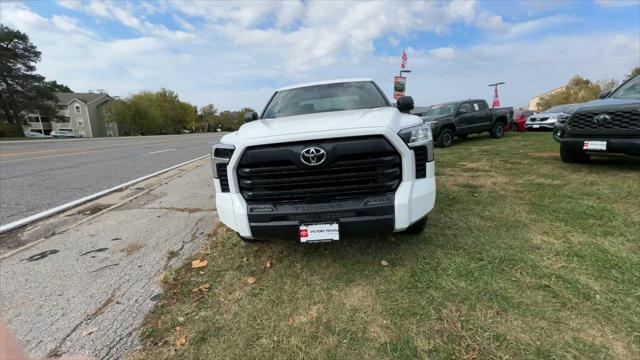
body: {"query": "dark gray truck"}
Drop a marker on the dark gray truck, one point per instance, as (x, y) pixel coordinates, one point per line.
(608, 125)
(461, 118)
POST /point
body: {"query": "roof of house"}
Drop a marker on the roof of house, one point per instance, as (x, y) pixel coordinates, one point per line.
(548, 92)
(65, 98)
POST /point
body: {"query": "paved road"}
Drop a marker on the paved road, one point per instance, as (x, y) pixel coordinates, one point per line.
(87, 288)
(40, 174)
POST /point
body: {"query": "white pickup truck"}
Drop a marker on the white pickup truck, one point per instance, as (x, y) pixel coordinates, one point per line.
(324, 161)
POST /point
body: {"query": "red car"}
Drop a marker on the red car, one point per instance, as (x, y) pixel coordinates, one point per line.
(520, 119)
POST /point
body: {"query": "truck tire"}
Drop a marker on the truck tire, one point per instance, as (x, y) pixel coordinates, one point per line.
(497, 131)
(417, 228)
(573, 155)
(445, 138)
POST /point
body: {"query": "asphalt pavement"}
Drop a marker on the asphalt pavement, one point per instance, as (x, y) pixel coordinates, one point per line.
(87, 282)
(36, 175)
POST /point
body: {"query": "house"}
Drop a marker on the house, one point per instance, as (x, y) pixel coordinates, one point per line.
(533, 103)
(83, 114)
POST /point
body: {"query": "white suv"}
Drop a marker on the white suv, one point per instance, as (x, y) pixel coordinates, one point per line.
(324, 161)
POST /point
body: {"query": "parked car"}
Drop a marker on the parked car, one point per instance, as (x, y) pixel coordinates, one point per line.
(324, 161)
(461, 118)
(34, 134)
(608, 125)
(520, 119)
(548, 118)
(62, 134)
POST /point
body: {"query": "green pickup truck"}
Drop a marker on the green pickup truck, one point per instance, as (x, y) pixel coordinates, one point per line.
(461, 118)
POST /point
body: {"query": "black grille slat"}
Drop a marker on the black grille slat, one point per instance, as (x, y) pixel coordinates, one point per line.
(321, 190)
(355, 167)
(351, 176)
(420, 154)
(222, 175)
(293, 169)
(620, 121)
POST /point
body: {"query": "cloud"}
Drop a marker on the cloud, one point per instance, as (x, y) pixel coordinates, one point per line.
(530, 26)
(124, 13)
(234, 53)
(71, 4)
(443, 52)
(183, 23)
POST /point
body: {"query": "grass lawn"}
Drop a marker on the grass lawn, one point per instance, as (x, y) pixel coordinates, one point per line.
(524, 257)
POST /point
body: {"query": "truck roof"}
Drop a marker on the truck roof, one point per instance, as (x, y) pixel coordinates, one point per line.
(323, 82)
(458, 102)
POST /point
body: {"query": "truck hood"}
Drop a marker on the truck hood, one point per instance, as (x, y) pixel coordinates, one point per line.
(607, 103)
(388, 117)
(437, 117)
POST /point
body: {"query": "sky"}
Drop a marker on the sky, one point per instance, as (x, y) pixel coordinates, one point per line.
(235, 54)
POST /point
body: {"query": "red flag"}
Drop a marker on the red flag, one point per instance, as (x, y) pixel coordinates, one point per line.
(496, 99)
(403, 64)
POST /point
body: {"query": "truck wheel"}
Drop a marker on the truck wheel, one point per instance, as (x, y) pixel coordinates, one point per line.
(497, 131)
(445, 139)
(573, 155)
(417, 228)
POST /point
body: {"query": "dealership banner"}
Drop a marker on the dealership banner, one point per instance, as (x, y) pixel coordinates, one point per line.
(399, 85)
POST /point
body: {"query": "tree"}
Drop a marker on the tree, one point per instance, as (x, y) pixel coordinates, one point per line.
(54, 87)
(578, 90)
(635, 71)
(210, 117)
(609, 84)
(21, 90)
(152, 113)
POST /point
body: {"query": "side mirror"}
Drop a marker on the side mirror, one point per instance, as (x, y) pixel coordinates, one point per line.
(250, 116)
(604, 94)
(405, 104)
(462, 111)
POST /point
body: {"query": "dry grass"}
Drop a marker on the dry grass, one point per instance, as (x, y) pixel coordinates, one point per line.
(524, 257)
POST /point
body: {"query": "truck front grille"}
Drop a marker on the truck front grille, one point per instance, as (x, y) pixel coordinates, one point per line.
(354, 167)
(617, 120)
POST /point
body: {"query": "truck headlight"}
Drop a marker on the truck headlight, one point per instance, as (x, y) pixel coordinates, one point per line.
(416, 136)
(562, 119)
(220, 156)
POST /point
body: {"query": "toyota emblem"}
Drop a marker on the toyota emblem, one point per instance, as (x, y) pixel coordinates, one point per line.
(313, 156)
(601, 119)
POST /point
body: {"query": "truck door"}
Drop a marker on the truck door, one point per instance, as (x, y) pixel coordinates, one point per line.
(464, 118)
(481, 119)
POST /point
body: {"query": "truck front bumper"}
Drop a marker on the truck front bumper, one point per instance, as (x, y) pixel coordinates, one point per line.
(629, 146)
(412, 201)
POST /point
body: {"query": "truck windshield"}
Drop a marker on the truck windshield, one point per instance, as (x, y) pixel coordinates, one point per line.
(630, 90)
(324, 98)
(444, 109)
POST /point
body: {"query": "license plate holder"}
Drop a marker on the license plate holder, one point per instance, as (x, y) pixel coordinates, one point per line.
(323, 232)
(594, 145)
